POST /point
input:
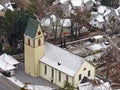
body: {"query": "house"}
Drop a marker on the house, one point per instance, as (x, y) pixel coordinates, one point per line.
(97, 21)
(95, 48)
(95, 85)
(8, 63)
(51, 62)
(102, 17)
(82, 4)
(53, 24)
(98, 38)
(5, 5)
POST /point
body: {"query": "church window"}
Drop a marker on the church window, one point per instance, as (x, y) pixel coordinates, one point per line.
(52, 72)
(39, 42)
(59, 76)
(79, 76)
(39, 33)
(45, 69)
(67, 78)
(29, 42)
(89, 73)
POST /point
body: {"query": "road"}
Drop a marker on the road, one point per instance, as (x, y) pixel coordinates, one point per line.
(7, 85)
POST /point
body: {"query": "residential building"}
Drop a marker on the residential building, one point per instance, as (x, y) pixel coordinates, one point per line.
(51, 62)
(5, 5)
(8, 64)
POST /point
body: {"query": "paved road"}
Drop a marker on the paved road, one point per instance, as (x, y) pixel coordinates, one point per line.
(7, 85)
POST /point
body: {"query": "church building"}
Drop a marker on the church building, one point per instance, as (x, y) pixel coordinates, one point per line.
(50, 62)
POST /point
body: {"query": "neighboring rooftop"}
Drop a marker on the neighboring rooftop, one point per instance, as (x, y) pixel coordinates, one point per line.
(7, 62)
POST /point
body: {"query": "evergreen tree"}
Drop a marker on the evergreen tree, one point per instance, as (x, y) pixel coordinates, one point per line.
(67, 86)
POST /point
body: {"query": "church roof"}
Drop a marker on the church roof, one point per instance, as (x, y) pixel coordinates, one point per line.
(61, 60)
(31, 28)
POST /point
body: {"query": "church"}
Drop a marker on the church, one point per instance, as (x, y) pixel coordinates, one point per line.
(50, 62)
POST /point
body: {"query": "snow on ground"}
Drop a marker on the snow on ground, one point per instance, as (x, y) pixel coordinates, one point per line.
(36, 87)
(15, 81)
(29, 87)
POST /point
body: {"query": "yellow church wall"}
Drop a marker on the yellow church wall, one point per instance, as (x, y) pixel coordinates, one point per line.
(84, 72)
(29, 60)
(55, 79)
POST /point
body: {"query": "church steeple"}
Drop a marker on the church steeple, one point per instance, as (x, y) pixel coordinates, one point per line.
(33, 47)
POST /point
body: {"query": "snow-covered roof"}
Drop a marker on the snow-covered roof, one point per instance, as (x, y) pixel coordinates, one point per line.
(59, 58)
(1, 7)
(63, 1)
(9, 6)
(90, 58)
(90, 86)
(65, 22)
(9, 59)
(100, 18)
(102, 9)
(117, 11)
(98, 37)
(7, 62)
(95, 47)
(6, 5)
(79, 2)
(45, 22)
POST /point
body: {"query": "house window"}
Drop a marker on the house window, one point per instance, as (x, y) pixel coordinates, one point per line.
(29, 42)
(59, 76)
(89, 73)
(79, 76)
(67, 78)
(45, 69)
(52, 72)
(39, 42)
(39, 33)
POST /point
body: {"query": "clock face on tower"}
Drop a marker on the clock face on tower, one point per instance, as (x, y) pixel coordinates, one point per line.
(39, 32)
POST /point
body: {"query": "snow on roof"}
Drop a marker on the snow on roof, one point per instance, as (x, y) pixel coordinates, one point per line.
(5, 66)
(117, 11)
(89, 86)
(79, 2)
(65, 22)
(9, 6)
(102, 9)
(76, 2)
(59, 58)
(95, 47)
(45, 22)
(98, 37)
(7, 62)
(63, 1)
(100, 18)
(9, 59)
(90, 58)
(1, 7)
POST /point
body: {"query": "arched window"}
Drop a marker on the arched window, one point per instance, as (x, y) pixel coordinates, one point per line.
(39, 33)
(29, 42)
(39, 42)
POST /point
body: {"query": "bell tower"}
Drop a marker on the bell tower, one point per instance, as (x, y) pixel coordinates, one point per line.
(34, 48)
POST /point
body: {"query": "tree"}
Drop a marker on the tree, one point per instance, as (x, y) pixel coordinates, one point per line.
(110, 66)
(67, 86)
